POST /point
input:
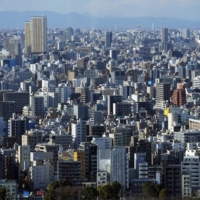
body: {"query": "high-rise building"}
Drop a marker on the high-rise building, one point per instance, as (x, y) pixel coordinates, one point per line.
(164, 37)
(16, 128)
(79, 132)
(163, 91)
(27, 32)
(179, 96)
(36, 35)
(37, 105)
(91, 159)
(115, 162)
(113, 99)
(108, 39)
(80, 156)
(80, 111)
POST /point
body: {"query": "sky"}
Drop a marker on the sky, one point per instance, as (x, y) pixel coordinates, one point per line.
(186, 9)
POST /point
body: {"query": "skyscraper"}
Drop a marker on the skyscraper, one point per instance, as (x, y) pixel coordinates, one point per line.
(108, 39)
(164, 37)
(27, 32)
(36, 35)
(179, 96)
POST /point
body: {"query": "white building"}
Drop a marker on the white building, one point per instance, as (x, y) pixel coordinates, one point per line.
(115, 162)
(190, 170)
(79, 132)
(102, 178)
(196, 82)
(41, 173)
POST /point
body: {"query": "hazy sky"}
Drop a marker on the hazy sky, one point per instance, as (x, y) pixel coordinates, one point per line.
(187, 9)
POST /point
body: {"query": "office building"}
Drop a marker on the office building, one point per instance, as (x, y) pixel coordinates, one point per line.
(96, 130)
(163, 92)
(80, 111)
(20, 98)
(80, 156)
(37, 105)
(16, 128)
(7, 108)
(61, 138)
(115, 163)
(70, 170)
(113, 99)
(23, 158)
(164, 35)
(96, 117)
(41, 173)
(190, 171)
(194, 124)
(108, 39)
(172, 179)
(187, 136)
(78, 132)
(32, 138)
(122, 109)
(91, 159)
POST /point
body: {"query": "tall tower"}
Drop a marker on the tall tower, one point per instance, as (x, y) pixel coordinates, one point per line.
(108, 39)
(36, 35)
(27, 30)
(164, 37)
(39, 34)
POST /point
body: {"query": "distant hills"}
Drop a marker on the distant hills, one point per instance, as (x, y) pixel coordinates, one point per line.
(15, 19)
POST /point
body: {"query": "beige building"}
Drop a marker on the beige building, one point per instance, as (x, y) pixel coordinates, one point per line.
(194, 124)
(36, 35)
(23, 157)
(27, 31)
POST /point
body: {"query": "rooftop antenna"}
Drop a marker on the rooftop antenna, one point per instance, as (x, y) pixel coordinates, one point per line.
(139, 30)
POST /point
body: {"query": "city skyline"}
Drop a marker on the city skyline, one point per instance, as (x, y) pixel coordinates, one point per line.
(128, 8)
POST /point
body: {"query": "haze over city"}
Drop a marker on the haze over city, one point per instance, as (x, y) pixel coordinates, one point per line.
(127, 8)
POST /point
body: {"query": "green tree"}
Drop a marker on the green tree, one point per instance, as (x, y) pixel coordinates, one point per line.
(151, 190)
(50, 195)
(3, 193)
(90, 193)
(163, 193)
(157, 188)
(116, 188)
(105, 191)
(61, 183)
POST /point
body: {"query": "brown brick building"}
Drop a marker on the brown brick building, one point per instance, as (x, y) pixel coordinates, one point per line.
(179, 96)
